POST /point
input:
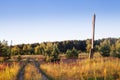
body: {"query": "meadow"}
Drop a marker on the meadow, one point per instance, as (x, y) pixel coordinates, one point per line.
(96, 69)
(99, 68)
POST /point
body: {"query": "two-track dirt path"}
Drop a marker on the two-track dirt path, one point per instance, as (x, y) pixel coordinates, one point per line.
(20, 75)
(37, 65)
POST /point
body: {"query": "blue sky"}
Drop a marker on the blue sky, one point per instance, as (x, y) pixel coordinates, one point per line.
(29, 21)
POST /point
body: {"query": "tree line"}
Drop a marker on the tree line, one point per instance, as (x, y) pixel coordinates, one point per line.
(106, 47)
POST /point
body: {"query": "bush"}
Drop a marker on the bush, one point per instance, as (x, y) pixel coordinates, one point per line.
(53, 55)
(72, 53)
(68, 53)
(105, 50)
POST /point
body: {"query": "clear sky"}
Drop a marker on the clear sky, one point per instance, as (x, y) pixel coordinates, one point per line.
(31, 21)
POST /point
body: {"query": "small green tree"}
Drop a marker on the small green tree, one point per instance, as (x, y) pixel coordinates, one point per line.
(24, 49)
(68, 53)
(105, 50)
(15, 50)
(55, 54)
(88, 47)
(4, 49)
(52, 54)
(117, 46)
(37, 50)
(72, 53)
(1, 49)
(113, 51)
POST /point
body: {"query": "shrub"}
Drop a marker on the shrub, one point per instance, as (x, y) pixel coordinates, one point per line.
(53, 55)
(72, 53)
(105, 50)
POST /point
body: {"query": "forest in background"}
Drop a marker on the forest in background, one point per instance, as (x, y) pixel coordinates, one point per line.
(106, 47)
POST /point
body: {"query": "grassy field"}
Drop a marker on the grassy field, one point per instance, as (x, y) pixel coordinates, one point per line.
(96, 69)
(67, 69)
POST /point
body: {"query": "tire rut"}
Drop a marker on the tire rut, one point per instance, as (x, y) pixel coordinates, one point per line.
(37, 65)
(20, 75)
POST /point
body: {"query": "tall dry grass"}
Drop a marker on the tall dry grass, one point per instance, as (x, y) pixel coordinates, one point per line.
(9, 72)
(96, 69)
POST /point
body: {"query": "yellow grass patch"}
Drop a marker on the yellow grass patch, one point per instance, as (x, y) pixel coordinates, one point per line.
(96, 69)
(9, 72)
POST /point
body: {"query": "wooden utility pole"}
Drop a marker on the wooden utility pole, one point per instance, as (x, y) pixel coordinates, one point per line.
(93, 34)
